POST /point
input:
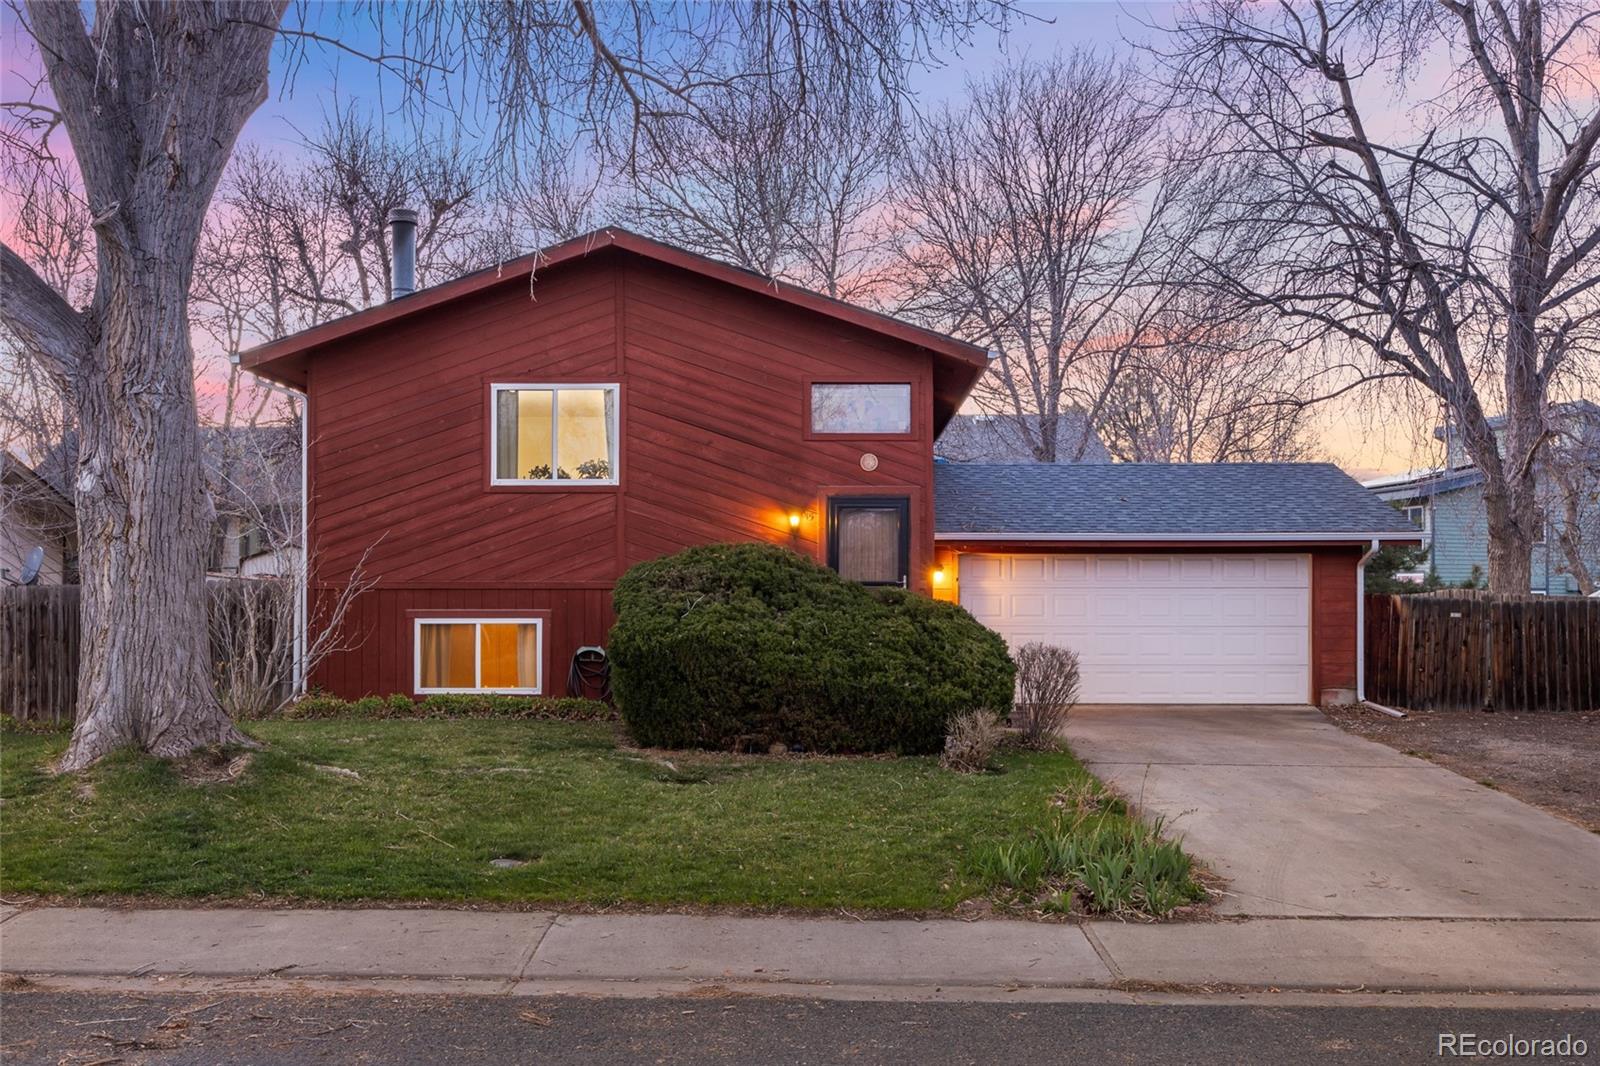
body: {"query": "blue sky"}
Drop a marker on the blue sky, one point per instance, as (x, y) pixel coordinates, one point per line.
(327, 76)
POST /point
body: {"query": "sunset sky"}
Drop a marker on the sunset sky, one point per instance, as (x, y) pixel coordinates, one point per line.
(1363, 439)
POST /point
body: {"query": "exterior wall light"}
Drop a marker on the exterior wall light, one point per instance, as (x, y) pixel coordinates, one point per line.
(794, 519)
(938, 575)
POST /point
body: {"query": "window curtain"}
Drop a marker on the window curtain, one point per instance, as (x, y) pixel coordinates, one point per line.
(527, 656)
(612, 430)
(435, 656)
(505, 428)
(869, 545)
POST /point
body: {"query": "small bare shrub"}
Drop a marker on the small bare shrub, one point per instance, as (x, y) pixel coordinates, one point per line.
(1047, 690)
(970, 744)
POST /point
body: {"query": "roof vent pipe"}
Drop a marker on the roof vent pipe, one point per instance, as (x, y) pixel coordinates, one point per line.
(403, 239)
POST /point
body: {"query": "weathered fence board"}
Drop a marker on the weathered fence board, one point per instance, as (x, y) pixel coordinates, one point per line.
(39, 643)
(39, 652)
(1470, 650)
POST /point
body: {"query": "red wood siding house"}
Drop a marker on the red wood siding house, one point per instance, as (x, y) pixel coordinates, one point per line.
(712, 367)
(699, 378)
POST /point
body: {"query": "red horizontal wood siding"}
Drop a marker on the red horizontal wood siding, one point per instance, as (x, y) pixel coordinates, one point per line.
(712, 448)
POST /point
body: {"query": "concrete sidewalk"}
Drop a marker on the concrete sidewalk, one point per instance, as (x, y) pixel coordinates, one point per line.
(517, 949)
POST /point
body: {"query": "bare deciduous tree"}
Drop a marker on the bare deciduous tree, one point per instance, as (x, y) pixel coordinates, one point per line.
(1031, 222)
(1453, 244)
(774, 185)
(1214, 389)
(253, 622)
(153, 97)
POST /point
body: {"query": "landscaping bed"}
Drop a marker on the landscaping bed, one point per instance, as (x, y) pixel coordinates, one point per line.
(373, 809)
(1549, 759)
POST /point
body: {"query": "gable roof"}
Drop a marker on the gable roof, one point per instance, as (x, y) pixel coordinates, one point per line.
(26, 486)
(957, 364)
(1172, 501)
(1000, 439)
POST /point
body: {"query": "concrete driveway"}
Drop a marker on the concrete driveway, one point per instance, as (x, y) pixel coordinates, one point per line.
(1304, 819)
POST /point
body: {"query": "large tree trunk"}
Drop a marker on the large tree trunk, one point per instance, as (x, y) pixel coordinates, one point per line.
(153, 97)
(144, 527)
(1510, 543)
(1508, 499)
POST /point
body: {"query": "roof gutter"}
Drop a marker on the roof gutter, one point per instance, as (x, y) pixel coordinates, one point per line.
(1288, 538)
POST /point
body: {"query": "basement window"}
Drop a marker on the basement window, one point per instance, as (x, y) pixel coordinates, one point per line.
(554, 434)
(478, 655)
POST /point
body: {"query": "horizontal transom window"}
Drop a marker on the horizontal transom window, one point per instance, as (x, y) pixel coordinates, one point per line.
(479, 655)
(853, 408)
(554, 435)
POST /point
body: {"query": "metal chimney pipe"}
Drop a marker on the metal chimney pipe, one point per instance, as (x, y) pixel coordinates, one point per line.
(403, 239)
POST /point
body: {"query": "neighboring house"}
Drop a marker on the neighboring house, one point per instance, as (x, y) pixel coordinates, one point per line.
(35, 514)
(1003, 439)
(500, 459)
(1445, 504)
(254, 474)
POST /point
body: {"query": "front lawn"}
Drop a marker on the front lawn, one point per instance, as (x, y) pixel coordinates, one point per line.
(416, 810)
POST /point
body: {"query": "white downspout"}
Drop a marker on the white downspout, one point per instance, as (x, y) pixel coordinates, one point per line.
(304, 562)
(1361, 621)
(298, 680)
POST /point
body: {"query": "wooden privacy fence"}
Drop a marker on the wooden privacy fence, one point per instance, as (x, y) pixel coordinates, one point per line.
(1462, 649)
(39, 642)
(39, 652)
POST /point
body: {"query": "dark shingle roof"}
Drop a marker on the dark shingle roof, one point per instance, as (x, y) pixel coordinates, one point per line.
(1001, 439)
(1168, 499)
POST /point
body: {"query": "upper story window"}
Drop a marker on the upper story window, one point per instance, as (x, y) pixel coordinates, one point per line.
(854, 409)
(1417, 514)
(554, 434)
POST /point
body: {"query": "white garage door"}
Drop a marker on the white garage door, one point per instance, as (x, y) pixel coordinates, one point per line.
(1157, 628)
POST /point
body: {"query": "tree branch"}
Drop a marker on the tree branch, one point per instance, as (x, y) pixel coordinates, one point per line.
(46, 325)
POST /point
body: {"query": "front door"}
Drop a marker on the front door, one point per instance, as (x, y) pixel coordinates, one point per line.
(869, 539)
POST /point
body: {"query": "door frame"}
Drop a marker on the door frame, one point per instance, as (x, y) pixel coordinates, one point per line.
(834, 503)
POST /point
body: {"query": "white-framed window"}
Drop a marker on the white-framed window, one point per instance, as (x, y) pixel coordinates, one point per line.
(1417, 515)
(553, 434)
(478, 655)
(861, 409)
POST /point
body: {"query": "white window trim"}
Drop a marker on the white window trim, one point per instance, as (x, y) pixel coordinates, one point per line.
(477, 655)
(613, 434)
(1426, 528)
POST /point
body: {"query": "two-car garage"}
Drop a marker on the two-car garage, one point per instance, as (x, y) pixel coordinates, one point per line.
(1174, 583)
(1157, 628)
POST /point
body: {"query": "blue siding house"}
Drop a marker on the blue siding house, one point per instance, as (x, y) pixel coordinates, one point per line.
(1446, 503)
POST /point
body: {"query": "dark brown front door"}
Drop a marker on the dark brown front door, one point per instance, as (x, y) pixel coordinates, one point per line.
(869, 538)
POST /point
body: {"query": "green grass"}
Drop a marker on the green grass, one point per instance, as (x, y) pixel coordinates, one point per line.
(437, 800)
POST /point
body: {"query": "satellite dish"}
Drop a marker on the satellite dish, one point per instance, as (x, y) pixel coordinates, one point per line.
(31, 565)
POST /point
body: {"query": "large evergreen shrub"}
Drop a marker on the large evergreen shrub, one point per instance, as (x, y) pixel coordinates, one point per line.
(740, 646)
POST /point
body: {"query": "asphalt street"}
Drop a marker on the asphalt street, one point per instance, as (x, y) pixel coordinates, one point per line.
(79, 1028)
